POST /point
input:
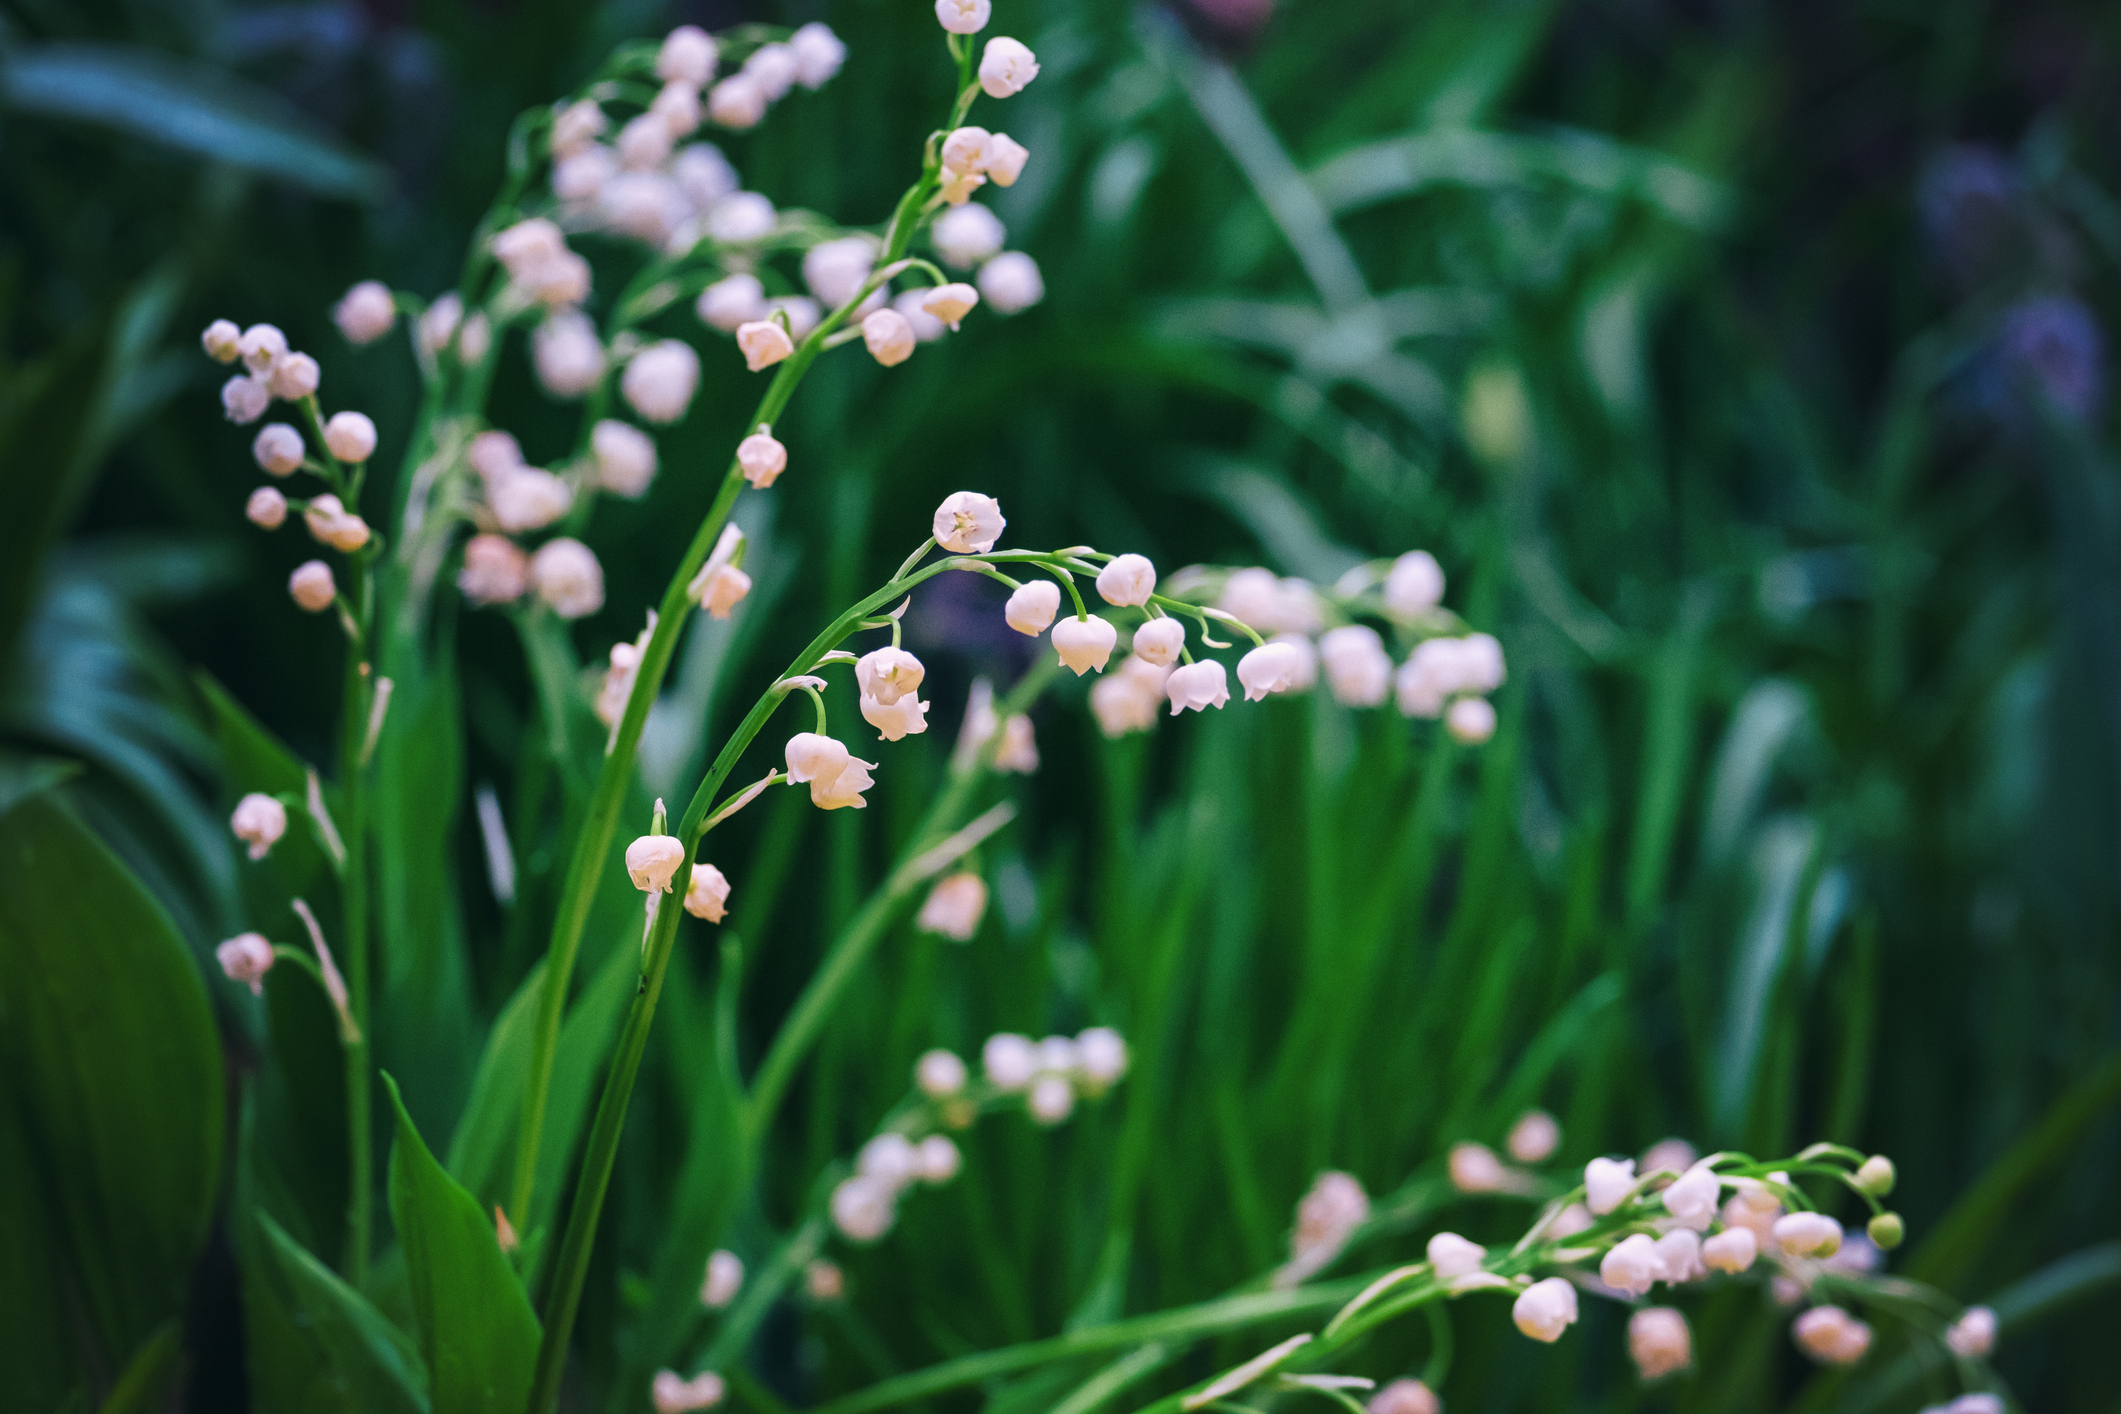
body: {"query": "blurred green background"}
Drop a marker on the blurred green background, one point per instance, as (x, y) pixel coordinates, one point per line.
(1745, 364)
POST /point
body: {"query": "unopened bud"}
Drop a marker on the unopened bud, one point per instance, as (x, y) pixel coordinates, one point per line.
(1887, 1230)
(1876, 1176)
(267, 508)
(350, 436)
(312, 586)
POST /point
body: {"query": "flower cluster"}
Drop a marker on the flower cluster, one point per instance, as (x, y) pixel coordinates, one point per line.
(347, 440)
(865, 1204)
(1052, 1074)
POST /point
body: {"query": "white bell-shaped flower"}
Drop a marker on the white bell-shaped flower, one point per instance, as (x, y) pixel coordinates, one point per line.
(1052, 1099)
(707, 896)
(762, 459)
(737, 102)
(688, 55)
(1534, 1138)
(245, 398)
(1694, 1196)
(1405, 1397)
(366, 312)
(567, 354)
(763, 343)
(1632, 1265)
(1272, 667)
(812, 757)
(1606, 1182)
(836, 270)
(528, 499)
(888, 674)
(954, 906)
(1005, 159)
(261, 346)
(725, 1278)
(1031, 607)
(1831, 1335)
(1973, 1335)
(1659, 1342)
(266, 508)
(864, 1208)
(1127, 581)
(889, 1158)
(844, 791)
(1680, 1251)
(495, 571)
(741, 218)
(1101, 1057)
(1006, 67)
(1470, 720)
(963, 16)
(937, 1160)
(661, 379)
(1010, 1061)
(967, 523)
(894, 721)
(223, 341)
(818, 54)
(671, 1393)
(652, 862)
(949, 303)
(1454, 1257)
(566, 575)
(350, 436)
(1474, 1168)
(278, 449)
(939, 1074)
(1358, 670)
(312, 587)
(1731, 1250)
(730, 303)
(246, 958)
(1545, 1309)
(888, 337)
(1011, 281)
(1198, 685)
(259, 821)
(1159, 641)
(1084, 643)
(1414, 584)
(625, 458)
(967, 235)
(1808, 1235)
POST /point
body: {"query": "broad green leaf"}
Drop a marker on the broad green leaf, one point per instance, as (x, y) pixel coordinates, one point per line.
(316, 1345)
(477, 1330)
(191, 107)
(37, 1369)
(111, 1058)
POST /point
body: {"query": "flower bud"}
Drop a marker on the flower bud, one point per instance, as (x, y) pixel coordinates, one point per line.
(1535, 1136)
(968, 235)
(889, 337)
(737, 102)
(818, 54)
(1659, 1342)
(1414, 585)
(1405, 1397)
(1454, 1257)
(244, 399)
(707, 896)
(1005, 159)
(730, 303)
(1731, 1250)
(763, 344)
(965, 149)
(824, 1281)
(568, 578)
(1606, 1183)
(267, 508)
(688, 55)
(937, 1160)
(1052, 1099)
(1358, 670)
(312, 586)
(963, 16)
(261, 346)
(625, 458)
(439, 324)
(1887, 1230)
(762, 458)
(1009, 1060)
(725, 1277)
(1475, 1169)
(1876, 1176)
(773, 67)
(576, 127)
(939, 1074)
(1632, 1266)
(1011, 282)
(366, 312)
(1680, 1251)
(568, 355)
(812, 757)
(967, 523)
(677, 108)
(652, 861)
(1086, 643)
(1545, 1309)
(294, 377)
(1031, 607)
(581, 177)
(223, 341)
(524, 498)
(1101, 1057)
(1808, 1235)
(836, 270)
(1198, 685)
(332, 525)
(1159, 641)
(888, 1159)
(278, 449)
(246, 958)
(495, 571)
(1973, 1335)
(1006, 67)
(1470, 720)
(741, 218)
(259, 821)
(350, 436)
(954, 907)
(1127, 581)
(1831, 1335)
(661, 379)
(1693, 1198)
(1569, 1221)
(926, 327)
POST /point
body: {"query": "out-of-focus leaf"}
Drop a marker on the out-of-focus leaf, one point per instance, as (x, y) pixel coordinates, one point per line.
(37, 1369)
(191, 107)
(477, 1330)
(46, 409)
(1404, 166)
(111, 1056)
(321, 1347)
(146, 1376)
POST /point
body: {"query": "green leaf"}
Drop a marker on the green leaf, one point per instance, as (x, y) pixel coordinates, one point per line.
(191, 107)
(37, 1368)
(145, 1377)
(358, 1362)
(477, 1330)
(108, 1050)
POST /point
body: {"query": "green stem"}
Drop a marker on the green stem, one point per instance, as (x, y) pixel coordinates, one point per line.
(353, 884)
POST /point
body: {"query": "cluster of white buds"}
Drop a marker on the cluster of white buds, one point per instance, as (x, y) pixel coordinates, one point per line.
(271, 369)
(1326, 1217)
(865, 1204)
(954, 906)
(674, 1394)
(246, 958)
(1051, 1074)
